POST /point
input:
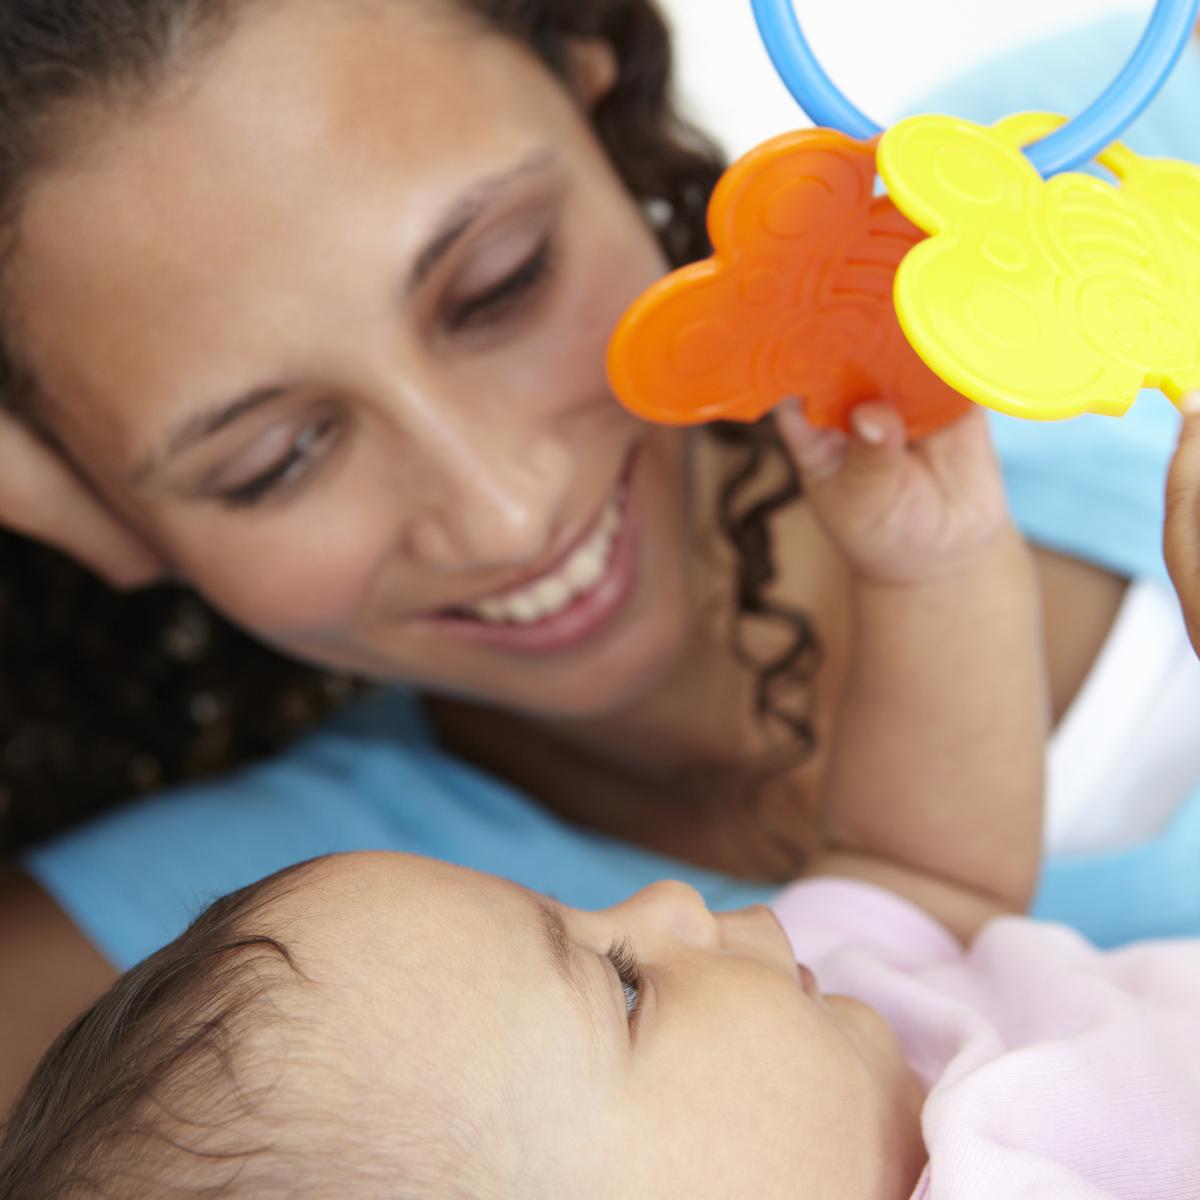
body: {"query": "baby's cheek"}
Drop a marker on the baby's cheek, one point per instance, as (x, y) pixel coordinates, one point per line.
(761, 1098)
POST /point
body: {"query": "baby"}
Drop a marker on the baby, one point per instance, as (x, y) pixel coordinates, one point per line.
(385, 1026)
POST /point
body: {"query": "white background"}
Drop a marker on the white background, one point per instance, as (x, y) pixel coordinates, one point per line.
(881, 52)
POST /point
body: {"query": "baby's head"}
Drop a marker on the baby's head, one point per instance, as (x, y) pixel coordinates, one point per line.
(385, 1025)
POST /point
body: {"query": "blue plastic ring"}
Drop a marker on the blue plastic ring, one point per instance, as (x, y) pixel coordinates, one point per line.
(1076, 143)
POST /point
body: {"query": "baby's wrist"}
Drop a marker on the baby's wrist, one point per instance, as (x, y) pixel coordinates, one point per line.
(1001, 556)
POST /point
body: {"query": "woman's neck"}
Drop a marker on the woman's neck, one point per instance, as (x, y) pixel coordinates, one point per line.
(673, 770)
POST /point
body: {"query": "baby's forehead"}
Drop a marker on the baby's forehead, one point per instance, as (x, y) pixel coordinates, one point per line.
(425, 967)
(425, 989)
(380, 912)
(384, 874)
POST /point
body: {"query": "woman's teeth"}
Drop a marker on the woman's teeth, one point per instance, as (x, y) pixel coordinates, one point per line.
(554, 593)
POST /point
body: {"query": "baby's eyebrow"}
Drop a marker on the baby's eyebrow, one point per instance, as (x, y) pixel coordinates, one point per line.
(558, 941)
(559, 944)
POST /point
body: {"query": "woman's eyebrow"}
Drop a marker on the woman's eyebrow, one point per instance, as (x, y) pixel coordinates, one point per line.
(203, 425)
(468, 208)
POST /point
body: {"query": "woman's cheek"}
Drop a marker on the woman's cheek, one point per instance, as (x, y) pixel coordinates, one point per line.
(289, 582)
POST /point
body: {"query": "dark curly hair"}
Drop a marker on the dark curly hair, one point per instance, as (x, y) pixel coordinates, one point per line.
(102, 696)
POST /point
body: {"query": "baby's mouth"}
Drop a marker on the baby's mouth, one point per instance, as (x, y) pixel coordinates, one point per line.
(808, 981)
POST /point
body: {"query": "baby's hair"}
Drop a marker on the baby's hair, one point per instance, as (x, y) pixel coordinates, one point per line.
(169, 1087)
(146, 1077)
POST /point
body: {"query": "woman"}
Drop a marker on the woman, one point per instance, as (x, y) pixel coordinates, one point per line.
(342, 373)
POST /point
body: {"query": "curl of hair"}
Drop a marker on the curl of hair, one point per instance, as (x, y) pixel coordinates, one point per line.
(103, 697)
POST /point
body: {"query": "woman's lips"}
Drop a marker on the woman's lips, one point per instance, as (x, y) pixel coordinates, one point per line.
(570, 603)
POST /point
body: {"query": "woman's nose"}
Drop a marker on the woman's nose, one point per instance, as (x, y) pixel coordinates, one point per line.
(674, 911)
(493, 500)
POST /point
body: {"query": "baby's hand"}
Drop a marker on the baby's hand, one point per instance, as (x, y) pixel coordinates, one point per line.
(901, 513)
(1181, 536)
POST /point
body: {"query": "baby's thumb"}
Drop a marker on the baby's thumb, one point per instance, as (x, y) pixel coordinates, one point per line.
(817, 453)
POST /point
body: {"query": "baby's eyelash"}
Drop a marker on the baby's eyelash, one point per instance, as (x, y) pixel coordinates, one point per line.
(629, 971)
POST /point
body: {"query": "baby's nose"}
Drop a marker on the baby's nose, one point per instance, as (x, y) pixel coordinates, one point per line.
(756, 933)
(680, 912)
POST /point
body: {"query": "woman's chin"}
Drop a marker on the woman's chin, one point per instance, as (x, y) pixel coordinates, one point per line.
(613, 685)
(596, 685)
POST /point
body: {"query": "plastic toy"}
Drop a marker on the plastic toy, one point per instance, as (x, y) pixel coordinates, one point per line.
(797, 300)
(1039, 299)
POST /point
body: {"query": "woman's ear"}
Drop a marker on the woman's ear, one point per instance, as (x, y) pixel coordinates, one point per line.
(42, 497)
(594, 70)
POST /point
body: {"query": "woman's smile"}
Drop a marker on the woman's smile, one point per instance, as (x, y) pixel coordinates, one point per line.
(556, 608)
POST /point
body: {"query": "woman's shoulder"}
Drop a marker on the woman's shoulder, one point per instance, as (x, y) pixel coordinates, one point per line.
(51, 974)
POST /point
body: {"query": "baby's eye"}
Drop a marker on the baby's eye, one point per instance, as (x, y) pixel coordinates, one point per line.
(629, 972)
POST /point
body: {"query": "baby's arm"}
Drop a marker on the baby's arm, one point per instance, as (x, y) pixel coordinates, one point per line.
(937, 771)
(1181, 536)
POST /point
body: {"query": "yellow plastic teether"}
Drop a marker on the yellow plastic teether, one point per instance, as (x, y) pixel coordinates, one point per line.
(1045, 299)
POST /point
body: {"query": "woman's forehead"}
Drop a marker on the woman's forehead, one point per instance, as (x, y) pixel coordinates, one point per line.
(320, 66)
(216, 195)
(352, 82)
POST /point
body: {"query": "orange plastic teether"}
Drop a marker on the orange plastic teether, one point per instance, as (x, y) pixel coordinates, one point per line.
(796, 301)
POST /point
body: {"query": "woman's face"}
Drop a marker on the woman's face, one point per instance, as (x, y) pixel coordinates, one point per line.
(326, 322)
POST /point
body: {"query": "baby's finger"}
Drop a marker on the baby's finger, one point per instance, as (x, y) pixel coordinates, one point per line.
(852, 479)
(817, 453)
(879, 439)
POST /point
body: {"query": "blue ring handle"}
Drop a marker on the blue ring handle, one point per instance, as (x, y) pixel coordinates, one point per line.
(1078, 142)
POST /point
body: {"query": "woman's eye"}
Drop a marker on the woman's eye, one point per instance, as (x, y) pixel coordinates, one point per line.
(494, 302)
(303, 452)
(629, 972)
